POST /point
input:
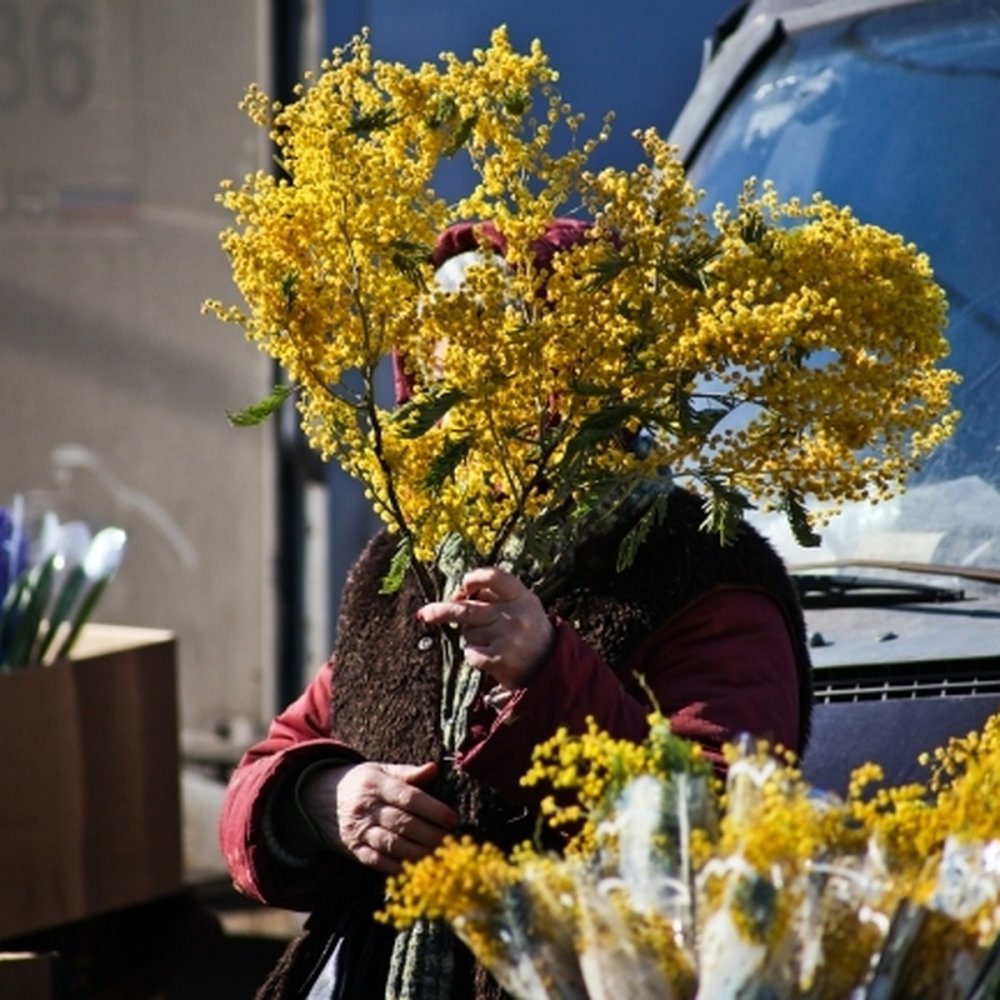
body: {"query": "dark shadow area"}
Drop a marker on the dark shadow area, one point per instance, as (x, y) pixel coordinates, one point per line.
(169, 949)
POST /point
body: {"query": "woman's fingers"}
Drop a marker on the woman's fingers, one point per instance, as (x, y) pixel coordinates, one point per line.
(380, 814)
(372, 858)
(410, 830)
(398, 840)
(400, 787)
(490, 583)
(480, 598)
(461, 611)
(505, 628)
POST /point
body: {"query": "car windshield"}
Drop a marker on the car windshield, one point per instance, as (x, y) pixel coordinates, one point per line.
(895, 114)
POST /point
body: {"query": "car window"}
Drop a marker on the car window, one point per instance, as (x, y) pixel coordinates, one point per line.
(895, 114)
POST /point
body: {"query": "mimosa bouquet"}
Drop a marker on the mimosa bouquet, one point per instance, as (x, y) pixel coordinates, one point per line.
(672, 886)
(780, 353)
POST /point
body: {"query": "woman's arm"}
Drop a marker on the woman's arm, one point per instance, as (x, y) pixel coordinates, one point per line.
(297, 739)
(722, 666)
(305, 816)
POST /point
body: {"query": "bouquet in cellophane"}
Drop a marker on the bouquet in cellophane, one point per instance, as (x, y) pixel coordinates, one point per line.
(673, 884)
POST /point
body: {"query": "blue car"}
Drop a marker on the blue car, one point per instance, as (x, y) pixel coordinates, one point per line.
(892, 108)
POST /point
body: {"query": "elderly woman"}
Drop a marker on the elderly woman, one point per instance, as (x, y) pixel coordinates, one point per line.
(353, 778)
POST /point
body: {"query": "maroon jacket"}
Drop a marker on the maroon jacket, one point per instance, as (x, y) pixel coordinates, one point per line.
(724, 664)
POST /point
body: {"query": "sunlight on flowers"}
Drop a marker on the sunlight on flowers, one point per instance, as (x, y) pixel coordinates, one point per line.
(782, 354)
(670, 883)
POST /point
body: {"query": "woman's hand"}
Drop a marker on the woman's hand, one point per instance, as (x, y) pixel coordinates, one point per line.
(504, 626)
(378, 813)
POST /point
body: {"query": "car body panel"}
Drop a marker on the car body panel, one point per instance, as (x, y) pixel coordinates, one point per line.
(889, 107)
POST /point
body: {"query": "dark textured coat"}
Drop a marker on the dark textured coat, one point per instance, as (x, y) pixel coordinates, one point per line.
(388, 679)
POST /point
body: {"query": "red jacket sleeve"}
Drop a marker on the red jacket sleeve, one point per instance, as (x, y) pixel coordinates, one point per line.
(723, 666)
(296, 738)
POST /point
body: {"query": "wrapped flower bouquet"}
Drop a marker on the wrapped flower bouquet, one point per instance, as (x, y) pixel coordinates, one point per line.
(672, 885)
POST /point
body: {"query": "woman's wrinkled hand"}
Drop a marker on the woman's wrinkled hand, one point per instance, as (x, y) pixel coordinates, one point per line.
(505, 629)
(378, 813)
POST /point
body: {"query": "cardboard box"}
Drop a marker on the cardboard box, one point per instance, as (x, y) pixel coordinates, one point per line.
(90, 816)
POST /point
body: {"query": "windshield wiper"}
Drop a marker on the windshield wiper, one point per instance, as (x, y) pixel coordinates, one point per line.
(978, 573)
(838, 590)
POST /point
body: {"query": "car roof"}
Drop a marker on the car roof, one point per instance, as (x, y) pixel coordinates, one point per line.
(745, 39)
(833, 8)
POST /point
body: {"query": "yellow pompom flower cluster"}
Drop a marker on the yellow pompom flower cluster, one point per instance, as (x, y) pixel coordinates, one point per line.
(552, 906)
(470, 885)
(915, 825)
(465, 885)
(780, 353)
(585, 774)
(777, 888)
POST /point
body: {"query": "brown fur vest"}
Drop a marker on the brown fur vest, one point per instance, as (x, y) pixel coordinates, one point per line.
(388, 680)
(388, 677)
